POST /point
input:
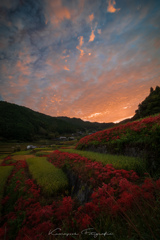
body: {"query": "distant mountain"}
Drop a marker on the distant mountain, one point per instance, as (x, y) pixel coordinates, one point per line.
(150, 105)
(23, 124)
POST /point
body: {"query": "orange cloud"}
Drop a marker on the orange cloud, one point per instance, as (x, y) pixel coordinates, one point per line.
(99, 31)
(81, 41)
(92, 36)
(91, 17)
(63, 57)
(94, 115)
(57, 12)
(111, 7)
(66, 68)
(81, 50)
(22, 68)
(63, 13)
(80, 45)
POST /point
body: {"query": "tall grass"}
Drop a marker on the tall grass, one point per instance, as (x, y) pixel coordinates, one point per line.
(5, 171)
(118, 161)
(50, 178)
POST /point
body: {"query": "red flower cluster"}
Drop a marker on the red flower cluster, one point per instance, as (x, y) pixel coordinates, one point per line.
(8, 162)
(63, 209)
(142, 127)
(115, 193)
(94, 173)
(126, 196)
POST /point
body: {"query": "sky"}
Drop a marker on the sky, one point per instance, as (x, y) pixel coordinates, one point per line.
(91, 59)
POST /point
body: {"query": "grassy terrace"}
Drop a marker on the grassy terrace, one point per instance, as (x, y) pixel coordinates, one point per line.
(50, 178)
(118, 161)
(22, 152)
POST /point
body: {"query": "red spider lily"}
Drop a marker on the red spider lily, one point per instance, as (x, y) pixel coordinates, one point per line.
(87, 170)
(5, 199)
(116, 133)
(115, 192)
(64, 208)
(83, 220)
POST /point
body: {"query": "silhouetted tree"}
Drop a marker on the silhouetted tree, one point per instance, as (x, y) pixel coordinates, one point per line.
(151, 90)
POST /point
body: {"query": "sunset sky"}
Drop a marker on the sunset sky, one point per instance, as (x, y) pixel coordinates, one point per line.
(91, 59)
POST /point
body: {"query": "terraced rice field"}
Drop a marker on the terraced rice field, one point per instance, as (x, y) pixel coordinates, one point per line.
(41, 197)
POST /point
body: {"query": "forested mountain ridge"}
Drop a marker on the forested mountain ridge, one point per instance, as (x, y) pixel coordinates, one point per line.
(21, 123)
(150, 105)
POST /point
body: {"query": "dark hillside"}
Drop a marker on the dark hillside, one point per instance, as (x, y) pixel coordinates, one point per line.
(150, 106)
(79, 123)
(24, 124)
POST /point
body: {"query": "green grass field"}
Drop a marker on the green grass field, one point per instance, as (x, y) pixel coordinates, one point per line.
(22, 152)
(118, 161)
(50, 178)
